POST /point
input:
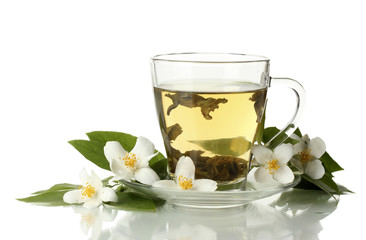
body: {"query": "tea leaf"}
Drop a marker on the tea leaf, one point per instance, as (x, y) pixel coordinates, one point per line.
(192, 100)
(93, 151)
(173, 132)
(132, 201)
(225, 146)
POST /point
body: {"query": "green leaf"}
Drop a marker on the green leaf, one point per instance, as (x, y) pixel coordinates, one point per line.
(270, 132)
(157, 158)
(329, 164)
(106, 180)
(52, 196)
(225, 146)
(260, 129)
(47, 198)
(126, 140)
(132, 201)
(298, 133)
(326, 183)
(343, 189)
(159, 165)
(93, 151)
(59, 187)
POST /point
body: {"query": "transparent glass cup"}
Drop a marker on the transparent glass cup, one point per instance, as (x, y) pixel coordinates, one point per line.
(210, 107)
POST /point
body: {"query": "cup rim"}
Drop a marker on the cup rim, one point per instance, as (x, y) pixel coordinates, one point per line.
(209, 57)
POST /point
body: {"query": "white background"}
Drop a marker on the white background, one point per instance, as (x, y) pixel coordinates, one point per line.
(71, 67)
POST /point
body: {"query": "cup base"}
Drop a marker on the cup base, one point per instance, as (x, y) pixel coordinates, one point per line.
(232, 186)
(178, 207)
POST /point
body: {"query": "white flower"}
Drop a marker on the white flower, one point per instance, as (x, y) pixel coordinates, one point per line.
(134, 164)
(92, 193)
(308, 151)
(273, 164)
(184, 178)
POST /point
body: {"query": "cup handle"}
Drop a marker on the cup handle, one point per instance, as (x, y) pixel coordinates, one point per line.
(281, 136)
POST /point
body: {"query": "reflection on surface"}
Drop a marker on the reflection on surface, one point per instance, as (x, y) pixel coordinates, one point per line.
(92, 219)
(295, 214)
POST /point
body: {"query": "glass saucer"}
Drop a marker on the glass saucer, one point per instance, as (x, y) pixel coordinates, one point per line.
(216, 199)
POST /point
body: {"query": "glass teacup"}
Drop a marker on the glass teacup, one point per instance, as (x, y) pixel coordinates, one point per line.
(210, 107)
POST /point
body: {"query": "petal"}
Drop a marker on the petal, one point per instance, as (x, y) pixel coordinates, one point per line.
(73, 196)
(257, 185)
(95, 181)
(185, 168)
(84, 176)
(144, 162)
(123, 174)
(206, 185)
(294, 136)
(146, 176)
(113, 150)
(262, 175)
(116, 179)
(117, 165)
(261, 153)
(143, 148)
(295, 161)
(97, 228)
(317, 147)
(306, 139)
(284, 175)
(92, 203)
(166, 184)
(299, 147)
(108, 195)
(283, 153)
(85, 225)
(315, 169)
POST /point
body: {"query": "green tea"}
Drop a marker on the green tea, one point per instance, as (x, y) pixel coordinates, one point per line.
(215, 128)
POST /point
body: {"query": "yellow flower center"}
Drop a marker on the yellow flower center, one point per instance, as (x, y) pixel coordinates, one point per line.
(185, 183)
(130, 160)
(272, 166)
(87, 191)
(305, 156)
